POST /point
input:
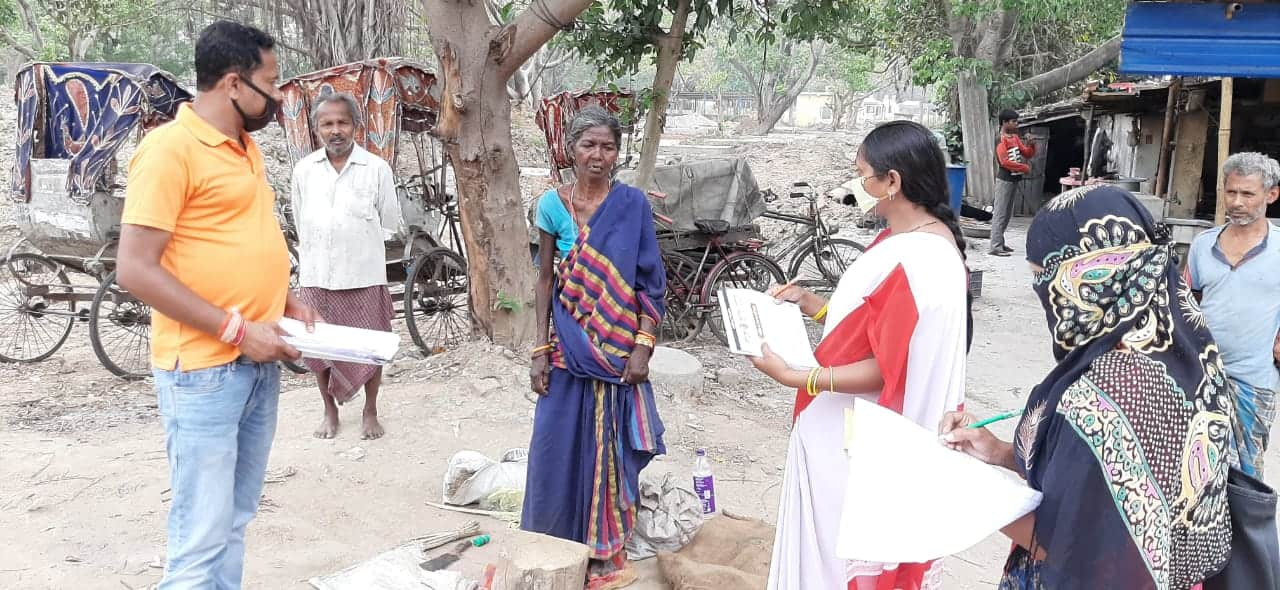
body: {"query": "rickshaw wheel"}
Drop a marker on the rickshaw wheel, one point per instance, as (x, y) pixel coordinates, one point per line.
(742, 270)
(31, 326)
(437, 306)
(120, 330)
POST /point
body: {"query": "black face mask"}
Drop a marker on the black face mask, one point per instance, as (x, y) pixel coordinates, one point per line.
(258, 122)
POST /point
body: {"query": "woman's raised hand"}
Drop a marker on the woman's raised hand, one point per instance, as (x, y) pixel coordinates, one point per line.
(791, 292)
(788, 292)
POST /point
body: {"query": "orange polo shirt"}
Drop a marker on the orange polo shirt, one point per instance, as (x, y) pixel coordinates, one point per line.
(212, 196)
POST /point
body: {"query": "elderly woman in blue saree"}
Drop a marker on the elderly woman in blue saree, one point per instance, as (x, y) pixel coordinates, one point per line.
(599, 301)
(1129, 437)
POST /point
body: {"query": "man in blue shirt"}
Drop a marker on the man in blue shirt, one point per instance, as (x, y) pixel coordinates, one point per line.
(1235, 271)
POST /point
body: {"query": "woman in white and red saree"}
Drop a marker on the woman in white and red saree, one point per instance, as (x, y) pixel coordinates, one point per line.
(895, 333)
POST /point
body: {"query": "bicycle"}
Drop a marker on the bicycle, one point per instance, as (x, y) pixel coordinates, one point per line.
(818, 260)
(725, 257)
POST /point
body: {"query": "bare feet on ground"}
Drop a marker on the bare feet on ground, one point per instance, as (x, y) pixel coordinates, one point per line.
(371, 429)
(328, 426)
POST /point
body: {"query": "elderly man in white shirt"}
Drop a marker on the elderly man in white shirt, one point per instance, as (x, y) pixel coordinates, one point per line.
(344, 207)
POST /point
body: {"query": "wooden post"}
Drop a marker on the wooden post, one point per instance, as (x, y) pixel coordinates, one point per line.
(1166, 139)
(1088, 145)
(1224, 147)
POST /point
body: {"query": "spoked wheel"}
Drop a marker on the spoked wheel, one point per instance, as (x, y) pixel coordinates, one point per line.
(37, 310)
(437, 305)
(821, 264)
(683, 320)
(120, 330)
(743, 270)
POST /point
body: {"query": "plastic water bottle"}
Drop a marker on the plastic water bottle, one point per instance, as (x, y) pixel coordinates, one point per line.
(704, 484)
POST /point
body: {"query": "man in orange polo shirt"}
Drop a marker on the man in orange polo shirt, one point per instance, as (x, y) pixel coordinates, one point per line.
(201, 245)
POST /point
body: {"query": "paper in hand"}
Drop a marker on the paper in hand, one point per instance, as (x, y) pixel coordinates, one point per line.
(341, 343)
(909, 499)
(753, 319)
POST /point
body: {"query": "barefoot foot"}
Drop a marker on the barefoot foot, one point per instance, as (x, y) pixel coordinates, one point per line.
(328, 426)
(371, 429)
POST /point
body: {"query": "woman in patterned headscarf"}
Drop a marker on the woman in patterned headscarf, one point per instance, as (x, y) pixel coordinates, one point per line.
(1128, 437)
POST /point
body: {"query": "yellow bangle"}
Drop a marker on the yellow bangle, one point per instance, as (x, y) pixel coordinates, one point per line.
(811, 383)
(822, 313)
(831, 379)
(645, 340)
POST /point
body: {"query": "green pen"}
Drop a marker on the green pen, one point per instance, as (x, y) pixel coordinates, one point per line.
(996, 418)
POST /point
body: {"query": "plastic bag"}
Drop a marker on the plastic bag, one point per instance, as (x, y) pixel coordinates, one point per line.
(473, 477)
(666, 520)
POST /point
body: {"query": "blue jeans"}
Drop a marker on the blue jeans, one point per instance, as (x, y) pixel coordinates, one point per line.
(218, 426)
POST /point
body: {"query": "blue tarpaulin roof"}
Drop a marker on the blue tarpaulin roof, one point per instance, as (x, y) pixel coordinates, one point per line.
(1213, 39)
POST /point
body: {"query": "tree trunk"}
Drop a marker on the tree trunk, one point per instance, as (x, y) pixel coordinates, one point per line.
(979, 138)
(768, 117)
(33, 25)
(1068, 74)
(476, 60)
(839, 104)
(668, 57)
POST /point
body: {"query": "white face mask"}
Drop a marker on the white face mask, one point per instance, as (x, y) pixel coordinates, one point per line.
(866, 202)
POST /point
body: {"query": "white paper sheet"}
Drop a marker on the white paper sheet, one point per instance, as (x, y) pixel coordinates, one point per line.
(341, 343)
(752, 318)
(910, 499)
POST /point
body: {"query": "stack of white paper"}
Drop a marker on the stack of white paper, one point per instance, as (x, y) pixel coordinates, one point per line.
(752, 319)
(909, 499)
(341, 343)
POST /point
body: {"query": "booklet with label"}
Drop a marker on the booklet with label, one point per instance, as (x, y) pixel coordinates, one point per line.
(753, 319)
(341, 343)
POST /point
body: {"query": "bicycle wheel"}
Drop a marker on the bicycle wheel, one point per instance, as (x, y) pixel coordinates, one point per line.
(33, 324)
(120, 330)
(682, 321)
(821, 269)
(743, 270)
(437, 304)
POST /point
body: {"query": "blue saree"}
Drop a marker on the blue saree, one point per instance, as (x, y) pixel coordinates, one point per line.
(592, 433)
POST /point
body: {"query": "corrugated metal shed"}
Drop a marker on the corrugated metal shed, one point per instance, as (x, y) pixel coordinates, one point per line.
(1211, 39)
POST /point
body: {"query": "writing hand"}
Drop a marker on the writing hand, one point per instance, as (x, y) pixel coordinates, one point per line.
(978, 443)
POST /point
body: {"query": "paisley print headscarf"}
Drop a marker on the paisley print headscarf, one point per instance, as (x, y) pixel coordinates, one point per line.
(1128, 436)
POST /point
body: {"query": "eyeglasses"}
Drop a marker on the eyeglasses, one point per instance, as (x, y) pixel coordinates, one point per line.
(862, 180)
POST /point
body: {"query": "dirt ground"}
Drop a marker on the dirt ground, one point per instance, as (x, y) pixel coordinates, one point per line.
(83, 476)
(83, 481)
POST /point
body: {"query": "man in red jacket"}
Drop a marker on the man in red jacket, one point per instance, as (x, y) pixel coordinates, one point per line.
(1013, 154)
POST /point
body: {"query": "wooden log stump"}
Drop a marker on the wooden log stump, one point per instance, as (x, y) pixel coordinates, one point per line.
(530, 561)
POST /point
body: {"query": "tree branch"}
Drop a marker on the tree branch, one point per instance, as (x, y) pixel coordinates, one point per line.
(33, 26)
(746, 74)
(798, 85)
(1068, 74)
(8, 39)
(531, 30)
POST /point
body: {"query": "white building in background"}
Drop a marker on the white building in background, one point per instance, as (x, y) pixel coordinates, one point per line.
(814, 109)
